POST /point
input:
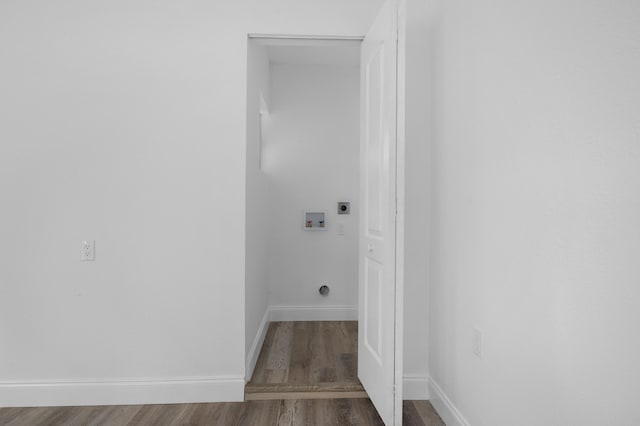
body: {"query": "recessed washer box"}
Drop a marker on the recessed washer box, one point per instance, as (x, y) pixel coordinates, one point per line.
(314, 221)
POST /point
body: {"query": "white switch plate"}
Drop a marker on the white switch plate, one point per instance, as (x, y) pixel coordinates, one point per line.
(476, 343)
(88, 250)
(340, 229)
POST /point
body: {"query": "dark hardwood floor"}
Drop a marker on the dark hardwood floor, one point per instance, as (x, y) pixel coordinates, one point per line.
(319, 412)
(306, 374)
(319, 357)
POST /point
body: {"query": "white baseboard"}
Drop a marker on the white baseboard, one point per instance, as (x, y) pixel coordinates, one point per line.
(415, 387)
(445, 408)
(254, 352)
(122, 392)
(314, 313)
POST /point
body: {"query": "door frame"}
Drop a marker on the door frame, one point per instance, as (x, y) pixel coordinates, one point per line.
(401, 57)
(400, 181)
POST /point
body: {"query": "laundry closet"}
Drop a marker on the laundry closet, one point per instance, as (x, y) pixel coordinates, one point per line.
(303, 177)
(324, 231)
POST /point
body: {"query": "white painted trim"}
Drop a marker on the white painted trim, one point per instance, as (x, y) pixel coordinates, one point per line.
(415, 387)
(254, 352)
(400, 11)
(122, 392)
(443, 405)
(314, 313)
(304, 37)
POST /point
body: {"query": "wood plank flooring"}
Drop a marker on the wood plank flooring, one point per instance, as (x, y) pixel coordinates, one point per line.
(324, 412)
(319, 357)
(306, 375)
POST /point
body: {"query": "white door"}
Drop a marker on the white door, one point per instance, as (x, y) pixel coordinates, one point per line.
(377, 345)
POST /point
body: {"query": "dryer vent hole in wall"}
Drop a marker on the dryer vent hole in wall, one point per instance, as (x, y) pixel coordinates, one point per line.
(344, 207)
(323, 290)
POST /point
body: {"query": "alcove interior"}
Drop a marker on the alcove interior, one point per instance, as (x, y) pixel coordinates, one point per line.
(303, 108)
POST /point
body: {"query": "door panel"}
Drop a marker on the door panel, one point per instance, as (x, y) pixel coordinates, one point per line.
(374, 75)
(372, 308)
(377, 247)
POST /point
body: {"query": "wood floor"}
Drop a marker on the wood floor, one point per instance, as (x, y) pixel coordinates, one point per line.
(306, 374)
(322, 412)
(307, 359)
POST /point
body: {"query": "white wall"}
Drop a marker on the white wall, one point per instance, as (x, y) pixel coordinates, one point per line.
(535, 211)
(257, 199)
(311, 157)
(416, 312)
(125, 123)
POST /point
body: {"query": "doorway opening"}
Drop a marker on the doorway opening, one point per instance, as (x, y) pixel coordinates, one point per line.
(315, 167)
(303, 172)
